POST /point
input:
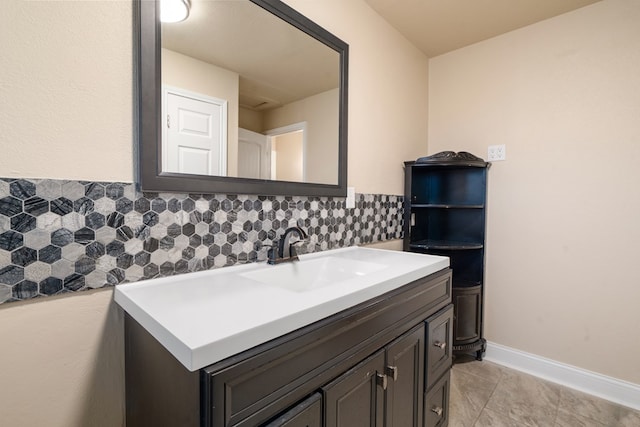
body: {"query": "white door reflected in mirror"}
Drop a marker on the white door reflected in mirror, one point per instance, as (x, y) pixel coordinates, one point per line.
(254, 151)
(195, 135)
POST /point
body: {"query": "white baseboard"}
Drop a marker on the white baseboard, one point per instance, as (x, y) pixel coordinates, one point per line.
(612, 389)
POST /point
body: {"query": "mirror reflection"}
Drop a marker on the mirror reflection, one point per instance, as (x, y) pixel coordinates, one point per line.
(245, 94)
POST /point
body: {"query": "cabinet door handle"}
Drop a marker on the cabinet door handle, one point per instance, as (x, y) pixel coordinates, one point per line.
(437, 410)
(441, 345)
(392, 371)
(381, 379)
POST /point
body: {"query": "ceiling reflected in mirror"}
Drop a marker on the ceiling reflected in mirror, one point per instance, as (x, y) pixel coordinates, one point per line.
(235, 78)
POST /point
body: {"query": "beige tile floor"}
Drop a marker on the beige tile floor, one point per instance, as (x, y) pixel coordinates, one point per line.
(484, 394)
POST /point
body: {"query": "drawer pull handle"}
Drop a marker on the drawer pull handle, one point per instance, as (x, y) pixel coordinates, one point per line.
(392, 371)
(437, 410)
(381, 379)
(441, 345)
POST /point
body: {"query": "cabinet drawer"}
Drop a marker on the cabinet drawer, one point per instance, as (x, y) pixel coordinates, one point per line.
(439, 341)
(436, 403)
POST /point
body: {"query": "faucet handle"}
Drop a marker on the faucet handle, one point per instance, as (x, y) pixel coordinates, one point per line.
(292, 248)
(272, 252)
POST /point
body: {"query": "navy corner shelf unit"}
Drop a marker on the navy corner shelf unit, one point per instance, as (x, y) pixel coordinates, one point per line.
(445, 214)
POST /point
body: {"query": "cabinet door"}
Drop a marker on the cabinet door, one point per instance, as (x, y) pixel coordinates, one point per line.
(439, 341)
(307, 413)
(405, 372)
(356, 398)
(436, 403)
(467, 315)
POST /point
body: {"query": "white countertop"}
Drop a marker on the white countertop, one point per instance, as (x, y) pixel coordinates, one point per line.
(204, 317)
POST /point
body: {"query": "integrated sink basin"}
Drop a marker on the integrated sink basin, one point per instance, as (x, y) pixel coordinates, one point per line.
(311, 274)
(204, 317)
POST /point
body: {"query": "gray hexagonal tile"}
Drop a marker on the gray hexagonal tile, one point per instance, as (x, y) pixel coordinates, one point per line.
(158, 231)
(22, 189)
(85, 265)
(62, 268)
(174, 255)
(24, 256)
(23, 222)
(37, 239)
(5, 293)
(133, 246)
(73, 221)
(159, 257)
(94, 190)
(83, 205)
(49, 189)
(4, 188)
(133, 219)
(124, 205)
(105, 235)
(202, 205)
(11, 274)
(96, 279)
(37, 271)
(84, 236)
(50, 286)
(25, 290)
(5, 223)
(10, 240)
(50, 254)
(181, 242)
(104, 206)
(48, 222)
(151, 271)
(220, 260)
(36, 205)
(106, 263)
(72, 190)
(73, 251)
(74, 282)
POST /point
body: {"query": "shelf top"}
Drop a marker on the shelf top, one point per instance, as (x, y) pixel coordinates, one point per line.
(445, 206)
(450, 158)
(444, 244)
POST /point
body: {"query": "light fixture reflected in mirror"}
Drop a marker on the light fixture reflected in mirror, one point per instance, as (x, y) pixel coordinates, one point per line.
(174, 10)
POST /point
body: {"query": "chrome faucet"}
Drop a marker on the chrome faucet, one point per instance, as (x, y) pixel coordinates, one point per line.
(285, 251)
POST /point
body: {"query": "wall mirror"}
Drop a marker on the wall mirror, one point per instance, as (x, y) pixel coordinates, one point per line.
(242, 97)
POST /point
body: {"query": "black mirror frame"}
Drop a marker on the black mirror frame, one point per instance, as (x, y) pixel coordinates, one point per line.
(149, 173)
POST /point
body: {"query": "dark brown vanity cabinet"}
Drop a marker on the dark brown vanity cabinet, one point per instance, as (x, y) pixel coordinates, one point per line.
(384, 390)
(445, 214)
(369, 365)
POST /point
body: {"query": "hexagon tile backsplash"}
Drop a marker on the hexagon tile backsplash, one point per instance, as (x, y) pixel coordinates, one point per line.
(66, 236)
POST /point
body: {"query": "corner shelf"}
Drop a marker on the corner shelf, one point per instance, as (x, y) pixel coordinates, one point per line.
(445, 214)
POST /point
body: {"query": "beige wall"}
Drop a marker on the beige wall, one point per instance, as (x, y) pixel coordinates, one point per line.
(321, 113)
(250, 120)
(66, 90)
(564, 96)
(188, 73)
(387, 93)
(62, 362)
(66, 112)
(289, 162)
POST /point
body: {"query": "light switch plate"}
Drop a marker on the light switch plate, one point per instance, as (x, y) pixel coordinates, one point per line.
(496, 152)
(351, 197)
